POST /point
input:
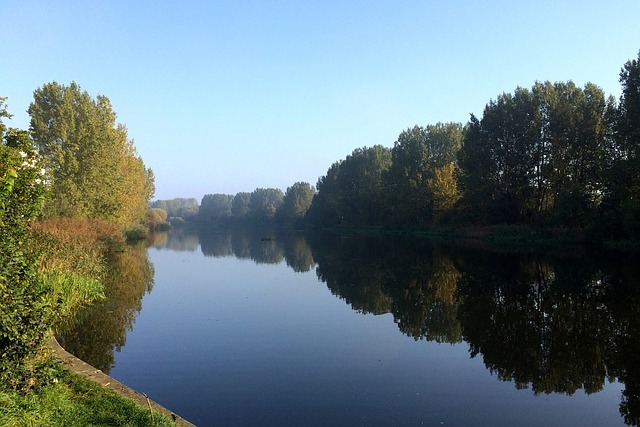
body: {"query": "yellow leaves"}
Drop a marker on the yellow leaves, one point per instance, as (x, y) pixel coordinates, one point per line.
(444, 189)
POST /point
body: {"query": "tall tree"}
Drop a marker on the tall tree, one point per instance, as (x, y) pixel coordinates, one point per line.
(240, 207)
(622, 193)
(629, 109)
(443, 143)
(576, 133)
(264, 203)
(95, 169)
(407, 178)
(297, 200)
(215, 208)
(416, 156)
(443, 190)
(351, 192)
(535, 149)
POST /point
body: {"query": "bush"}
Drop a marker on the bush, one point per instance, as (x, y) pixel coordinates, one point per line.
(157, 220)
(136, 232)
(24, 314)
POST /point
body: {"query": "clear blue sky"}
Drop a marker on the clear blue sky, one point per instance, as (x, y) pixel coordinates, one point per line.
(228, 96)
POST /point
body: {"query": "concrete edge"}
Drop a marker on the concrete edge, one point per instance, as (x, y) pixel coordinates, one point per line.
(82, 368)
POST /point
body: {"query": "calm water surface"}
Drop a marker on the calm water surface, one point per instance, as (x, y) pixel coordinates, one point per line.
(260, 328)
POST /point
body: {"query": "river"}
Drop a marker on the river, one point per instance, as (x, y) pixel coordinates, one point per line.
(241, 327)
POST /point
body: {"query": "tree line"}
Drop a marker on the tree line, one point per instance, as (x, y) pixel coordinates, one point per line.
(554, 154)
(261, 206)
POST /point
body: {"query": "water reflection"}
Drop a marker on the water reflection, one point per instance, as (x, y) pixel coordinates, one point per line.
(182, 239)
(260, 246)
(100, 329)
(413, 280)
(555, 324)
(551, 323)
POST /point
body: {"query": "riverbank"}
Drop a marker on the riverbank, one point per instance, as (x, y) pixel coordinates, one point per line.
(506, 236)
(71, 264)
(87, 371)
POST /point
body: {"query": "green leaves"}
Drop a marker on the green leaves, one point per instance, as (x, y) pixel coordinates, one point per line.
(95, 170)
(23, 313)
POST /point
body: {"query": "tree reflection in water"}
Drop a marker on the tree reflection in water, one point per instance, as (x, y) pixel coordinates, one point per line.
(552, 323)
(100, 329)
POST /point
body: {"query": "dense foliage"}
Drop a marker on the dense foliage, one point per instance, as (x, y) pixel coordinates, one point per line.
(94, 169)
(555, 156)
(48, 269)
(537, 155)
(261, 206)
(23, 311)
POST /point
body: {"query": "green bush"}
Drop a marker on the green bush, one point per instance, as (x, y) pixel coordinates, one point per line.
(24, 312)
(136, 232)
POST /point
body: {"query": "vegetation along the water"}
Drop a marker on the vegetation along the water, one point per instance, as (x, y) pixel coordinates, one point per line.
(553, 162)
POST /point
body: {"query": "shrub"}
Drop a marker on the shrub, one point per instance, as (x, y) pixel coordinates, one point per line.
(24, 314)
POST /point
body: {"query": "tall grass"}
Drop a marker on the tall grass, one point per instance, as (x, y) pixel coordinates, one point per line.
(77, 245)
(68, 291)
(72, 257)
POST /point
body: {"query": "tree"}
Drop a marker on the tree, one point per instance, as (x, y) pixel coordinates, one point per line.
(407, 178)
(24, 315)
(264, 203)
(628, 126)
(476, 172)
(351, 192)
(185, 209)
(443, 190)
(215, 208)
(297, 200)
(443, 141)
(416, 156)
(240, 206)
(95, 169)
(161, 213)
(622, 191)
(532, 148)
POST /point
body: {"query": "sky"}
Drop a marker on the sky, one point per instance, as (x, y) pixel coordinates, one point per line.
(230, 96)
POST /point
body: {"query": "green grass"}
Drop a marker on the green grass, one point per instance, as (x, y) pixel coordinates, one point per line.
(72, 400)
(70, 291)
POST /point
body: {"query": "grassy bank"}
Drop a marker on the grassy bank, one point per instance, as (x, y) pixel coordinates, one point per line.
(72, 261)
(72, 400)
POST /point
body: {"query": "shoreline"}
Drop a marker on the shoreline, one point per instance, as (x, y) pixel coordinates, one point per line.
(82, 368)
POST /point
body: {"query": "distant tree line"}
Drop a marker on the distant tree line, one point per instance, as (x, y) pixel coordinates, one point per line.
(178, 209)
(552, 155)
(262, 205)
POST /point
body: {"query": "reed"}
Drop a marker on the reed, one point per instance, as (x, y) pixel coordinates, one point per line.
(72, 261)
(69, 291)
